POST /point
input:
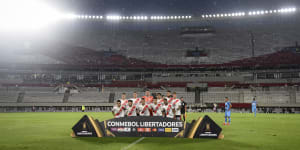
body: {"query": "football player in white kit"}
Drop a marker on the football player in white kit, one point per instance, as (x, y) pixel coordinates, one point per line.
(118, 111)
(143, 108)
(131, 109)
(156, 108)
(168, 109)
(177, 106)
(169, 96)
(124, 101)
(135, 100)
(160, 99)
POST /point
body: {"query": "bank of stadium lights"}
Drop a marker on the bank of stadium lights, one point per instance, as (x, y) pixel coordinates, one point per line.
(250, 13)
(112, 17)
(265, 12)
(88, 17)
(221, 15)
(170, 17)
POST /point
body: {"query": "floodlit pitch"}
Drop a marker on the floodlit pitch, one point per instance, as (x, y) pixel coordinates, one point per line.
(52, 131)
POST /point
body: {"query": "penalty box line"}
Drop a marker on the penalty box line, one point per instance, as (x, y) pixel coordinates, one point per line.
(132, 144)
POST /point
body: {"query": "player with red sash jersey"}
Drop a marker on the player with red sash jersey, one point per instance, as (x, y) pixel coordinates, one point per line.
(156, 108)
(160, 99)
(169, 97)
(124, 101)
(135, 100)
(118, 111)
(131, 109)
(148, 98)
(143, 108)
(177, 106)
(168, 109)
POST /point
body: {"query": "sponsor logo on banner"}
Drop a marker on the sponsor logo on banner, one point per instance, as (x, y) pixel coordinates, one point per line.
(84, 133)
(154, 130)
(141, 129)
(175, 130)
(161, 130)
(147, 129)
(168, 129)
(133, 129)
(120, 129)
(127, 129)
(113, 129)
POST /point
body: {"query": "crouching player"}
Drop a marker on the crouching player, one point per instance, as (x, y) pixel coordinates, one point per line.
(130, 109)
(156, 108)
(227, 111)
(118, 111)
(143, 108)
(168, 109)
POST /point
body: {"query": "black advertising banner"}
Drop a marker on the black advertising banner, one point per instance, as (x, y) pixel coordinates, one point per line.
(141, 126)
(144, 127)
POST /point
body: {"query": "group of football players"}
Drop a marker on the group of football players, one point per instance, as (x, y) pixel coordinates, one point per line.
(159, 105)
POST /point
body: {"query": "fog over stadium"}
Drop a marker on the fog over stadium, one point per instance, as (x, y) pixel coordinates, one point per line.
(149, 74)
(144, 31)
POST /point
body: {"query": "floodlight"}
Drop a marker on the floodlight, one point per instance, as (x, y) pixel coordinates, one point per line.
(28, 15)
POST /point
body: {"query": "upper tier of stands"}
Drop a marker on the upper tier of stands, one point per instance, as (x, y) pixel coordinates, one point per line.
(146, 46)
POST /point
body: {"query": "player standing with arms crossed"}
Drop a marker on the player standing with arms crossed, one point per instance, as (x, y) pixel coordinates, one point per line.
(118, 111)
(227, 111)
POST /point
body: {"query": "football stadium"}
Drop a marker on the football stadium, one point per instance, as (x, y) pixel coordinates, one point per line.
(149, 74)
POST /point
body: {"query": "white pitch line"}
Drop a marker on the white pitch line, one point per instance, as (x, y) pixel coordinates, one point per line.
(135, 142)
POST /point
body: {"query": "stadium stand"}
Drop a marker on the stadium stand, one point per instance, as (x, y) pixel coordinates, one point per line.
(155, 59)
(42, 97)
(90, 97)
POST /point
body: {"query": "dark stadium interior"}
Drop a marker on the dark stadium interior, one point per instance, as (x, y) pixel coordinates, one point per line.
(237, 57)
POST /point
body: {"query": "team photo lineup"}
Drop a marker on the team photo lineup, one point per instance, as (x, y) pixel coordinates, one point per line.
(167, 106)
(149, 74)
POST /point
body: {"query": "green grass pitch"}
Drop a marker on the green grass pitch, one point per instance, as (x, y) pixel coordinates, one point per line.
(51, 131)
